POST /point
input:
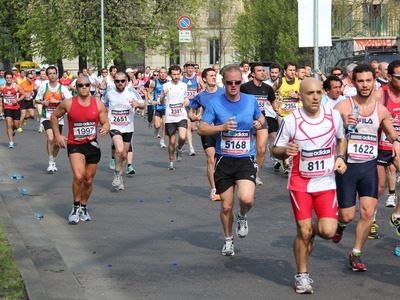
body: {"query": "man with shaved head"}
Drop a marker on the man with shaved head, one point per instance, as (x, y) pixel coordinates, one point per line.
(310, 134)
(84, 114)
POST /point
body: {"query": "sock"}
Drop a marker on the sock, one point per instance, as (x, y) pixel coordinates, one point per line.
(396, 216)
(171, 159)
(77, 203)
(341, 224)
(228, 238)
(51, 158)
(116, 172)
(83, 205)
(392, 192)
(129, 165)
(356, 252)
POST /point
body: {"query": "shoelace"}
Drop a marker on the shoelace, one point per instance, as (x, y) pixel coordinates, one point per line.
(228, 244)
(304, 279)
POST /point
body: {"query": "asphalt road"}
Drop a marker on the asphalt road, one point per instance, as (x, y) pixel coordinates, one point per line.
(161, 237)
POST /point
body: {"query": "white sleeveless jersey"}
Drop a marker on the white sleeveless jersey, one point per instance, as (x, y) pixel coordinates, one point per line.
(120, 112)
(362, 145)
(174, 109)
(312, 169)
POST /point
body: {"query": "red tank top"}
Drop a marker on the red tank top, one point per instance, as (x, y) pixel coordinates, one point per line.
(394, 110)
(82, 122)
(10, 94)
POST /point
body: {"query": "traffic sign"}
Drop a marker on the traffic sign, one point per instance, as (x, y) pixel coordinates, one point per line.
(185, 36)
(184, 22)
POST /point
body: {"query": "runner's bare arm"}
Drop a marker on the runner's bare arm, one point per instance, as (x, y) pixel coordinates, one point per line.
(283, 153)
(103, 119)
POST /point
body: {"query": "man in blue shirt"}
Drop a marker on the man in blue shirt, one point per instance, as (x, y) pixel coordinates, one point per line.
(233, 116)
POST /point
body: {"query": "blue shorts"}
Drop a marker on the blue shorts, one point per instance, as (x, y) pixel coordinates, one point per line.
(359, 178)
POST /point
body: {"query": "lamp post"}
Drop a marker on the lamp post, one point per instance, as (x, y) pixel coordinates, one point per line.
(102, 34)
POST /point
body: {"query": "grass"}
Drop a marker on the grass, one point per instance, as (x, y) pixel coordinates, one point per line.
(12, 286)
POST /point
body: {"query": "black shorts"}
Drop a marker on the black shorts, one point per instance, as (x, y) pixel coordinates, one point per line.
(272, 124)
(228, 169)
(208, 141)
(27, 104)
(90, 150)
(15, 114)
(159, 112)
(171, 128)
(361, 179)
(47, 125)
(384, 158)
(126, 136)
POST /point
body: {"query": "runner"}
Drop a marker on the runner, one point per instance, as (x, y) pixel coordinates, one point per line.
(233, 117)
(13, 94)
(362, 177)
(28, 103)
(174, 97)
(200, 101)
(122, 102)
(84, 114)
(310, 135)
(50, 95)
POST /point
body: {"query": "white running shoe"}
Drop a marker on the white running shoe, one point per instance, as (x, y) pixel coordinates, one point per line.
(178, 154)
(258, 181)
(162, 144)
(41, 128)
(302, 284)
(111, 164)
(171, 165)
(191, 151)
(229, 248)
(242, 228)
(120, 186)
(84, 214)
(116, 180)
(74, 215)
(50, 166)
(391, 200)
(54, 166)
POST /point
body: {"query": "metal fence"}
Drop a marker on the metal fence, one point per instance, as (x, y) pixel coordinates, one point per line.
(372, 26)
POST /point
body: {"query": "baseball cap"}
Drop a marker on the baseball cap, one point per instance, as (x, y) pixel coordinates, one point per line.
(14, 69)
(129, 70)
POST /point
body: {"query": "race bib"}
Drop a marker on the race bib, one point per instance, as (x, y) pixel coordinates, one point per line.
(191, 93)
(237, 144)
(176, 110)
(289, 104)
(316, 162)
(9, 99)
(263, 102)
(84, 131)
(362, 146)
(120, 117)
(28, 96)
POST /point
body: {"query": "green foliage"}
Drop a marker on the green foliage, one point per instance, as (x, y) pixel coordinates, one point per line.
(267, 30)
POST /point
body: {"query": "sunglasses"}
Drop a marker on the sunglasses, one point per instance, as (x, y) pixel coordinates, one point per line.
(337, 74)
(29, 77)
(155, 74)
(104, 72)
(120, 81)
(190, 65)
(231, 82)
(81, 85)
(397, 76)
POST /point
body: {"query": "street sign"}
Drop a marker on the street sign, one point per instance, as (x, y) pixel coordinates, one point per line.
(185, 36)
(184, 22)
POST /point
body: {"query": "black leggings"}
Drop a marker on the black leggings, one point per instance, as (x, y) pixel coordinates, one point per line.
(150, 113)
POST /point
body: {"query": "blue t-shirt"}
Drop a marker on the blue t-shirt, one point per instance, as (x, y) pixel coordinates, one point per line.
(2, 81)
(202, 99)
(219, 110)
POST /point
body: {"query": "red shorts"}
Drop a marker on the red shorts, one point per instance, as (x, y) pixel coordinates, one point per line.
(324, 203)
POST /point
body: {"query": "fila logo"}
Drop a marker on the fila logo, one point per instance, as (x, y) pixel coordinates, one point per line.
(365, 121)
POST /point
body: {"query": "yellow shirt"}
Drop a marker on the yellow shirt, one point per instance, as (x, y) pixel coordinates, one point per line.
(287, 103)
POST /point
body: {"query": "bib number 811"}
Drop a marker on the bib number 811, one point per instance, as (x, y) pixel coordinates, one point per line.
(315, 165)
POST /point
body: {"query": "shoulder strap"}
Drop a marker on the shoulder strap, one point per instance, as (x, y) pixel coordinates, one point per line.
(385, 96)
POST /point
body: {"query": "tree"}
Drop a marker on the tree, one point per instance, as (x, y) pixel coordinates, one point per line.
(267, 30)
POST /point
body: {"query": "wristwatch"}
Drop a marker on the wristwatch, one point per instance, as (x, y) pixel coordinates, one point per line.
(342, 157)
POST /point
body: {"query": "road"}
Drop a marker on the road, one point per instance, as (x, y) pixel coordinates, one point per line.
(161, 237)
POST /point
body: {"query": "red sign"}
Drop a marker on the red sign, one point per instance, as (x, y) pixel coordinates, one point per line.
(184, 22)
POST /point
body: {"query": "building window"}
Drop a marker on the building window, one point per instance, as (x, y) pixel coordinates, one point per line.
(214, 51)
(213, 17)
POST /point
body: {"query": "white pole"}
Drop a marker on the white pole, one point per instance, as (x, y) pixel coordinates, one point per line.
(316, 63)
(102, 35)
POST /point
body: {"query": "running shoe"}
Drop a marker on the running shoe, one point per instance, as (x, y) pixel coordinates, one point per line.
(120, 186)
(373, 233)
(229, 248)
(395, 223)
(11, 145)
(54, 166)
(258, 181)
(1, 117)
(302, 284)
(276, 164)
(162, 144)
(41, 128)
(158, 136)
(356, 264)
(84, 214)
(74, 215)
(214, 196)
(391, 200)
(171, 165)
(285, 169)
(24, 123)
(116, 180)
(112, 164)
(150, 125)
(50, 166)
(242, 228)
(178, 154)
(191, 151)
(14, 131)
(130, 170)
(339, 234)
(19, 130)
(156, 132)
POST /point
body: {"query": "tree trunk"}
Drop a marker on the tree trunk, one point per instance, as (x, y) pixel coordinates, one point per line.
(60, 66)
(82, 62)
(120, 63)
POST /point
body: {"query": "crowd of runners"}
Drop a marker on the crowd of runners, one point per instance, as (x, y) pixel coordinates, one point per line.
(335, 136)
